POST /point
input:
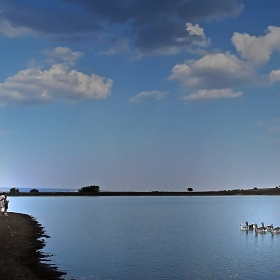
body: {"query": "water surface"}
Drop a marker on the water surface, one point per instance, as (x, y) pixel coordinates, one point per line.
(158, 237)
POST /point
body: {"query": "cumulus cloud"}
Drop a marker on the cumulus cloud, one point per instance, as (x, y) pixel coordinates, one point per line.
(213, 94)
(64, 54)
(214, 76)
(154, 27)
(60, 82)
(214, 71)
(257, 49)
(143, 96)
(274, 76)
(196, 36)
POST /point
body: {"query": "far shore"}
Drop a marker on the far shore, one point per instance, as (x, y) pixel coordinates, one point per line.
(268, 191)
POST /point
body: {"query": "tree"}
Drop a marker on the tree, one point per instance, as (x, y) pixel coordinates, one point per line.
(14, 190)
(90, 189)
(34, 191)
(190, 189)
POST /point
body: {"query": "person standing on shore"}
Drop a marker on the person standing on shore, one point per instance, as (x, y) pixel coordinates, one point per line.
(6, 204)
(2, 203)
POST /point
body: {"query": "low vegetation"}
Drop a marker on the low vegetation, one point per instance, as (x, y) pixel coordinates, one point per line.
(93, 188)
(14, 190)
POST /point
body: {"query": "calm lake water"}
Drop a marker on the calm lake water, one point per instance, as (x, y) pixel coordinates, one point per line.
(158, 237)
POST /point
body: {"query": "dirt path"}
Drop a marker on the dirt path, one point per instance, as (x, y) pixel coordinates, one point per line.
(20, 249)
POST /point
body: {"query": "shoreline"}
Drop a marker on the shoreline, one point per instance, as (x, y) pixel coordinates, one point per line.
(22, 239)
(268, 191)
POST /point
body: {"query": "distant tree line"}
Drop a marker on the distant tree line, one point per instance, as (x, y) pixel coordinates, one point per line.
(93, 188)
(16, 190)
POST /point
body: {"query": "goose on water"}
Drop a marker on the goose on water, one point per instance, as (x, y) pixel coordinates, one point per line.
(247, 226)
(243, 227)
(262, 229)
(275, 230)
(269, 228)
(250, 227)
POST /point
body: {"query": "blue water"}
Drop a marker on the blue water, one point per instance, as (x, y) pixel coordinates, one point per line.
(158, 237)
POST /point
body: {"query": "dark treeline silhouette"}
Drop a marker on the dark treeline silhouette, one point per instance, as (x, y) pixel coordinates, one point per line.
(95, 191)
(94, 188)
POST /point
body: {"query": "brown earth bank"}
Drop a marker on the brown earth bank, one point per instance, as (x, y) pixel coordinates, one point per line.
(21, 240)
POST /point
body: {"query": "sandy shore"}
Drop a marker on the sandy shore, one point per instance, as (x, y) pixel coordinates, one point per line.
(20, 249)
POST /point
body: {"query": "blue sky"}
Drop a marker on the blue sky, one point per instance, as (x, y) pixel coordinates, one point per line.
(139, 95)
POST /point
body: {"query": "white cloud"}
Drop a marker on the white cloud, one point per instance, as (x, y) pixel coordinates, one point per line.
(196, 37)
(142, 96)
(214, 71)
(196, 32)
(216, 75)
(7, 29)
(274, 76)
(213, 94)
(64, 54)
(57, 83)
(257, 49)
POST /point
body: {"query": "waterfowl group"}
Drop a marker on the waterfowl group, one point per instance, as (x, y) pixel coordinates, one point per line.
(261, 229)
